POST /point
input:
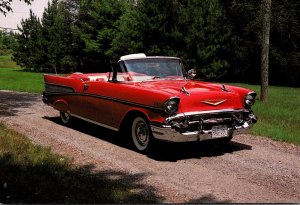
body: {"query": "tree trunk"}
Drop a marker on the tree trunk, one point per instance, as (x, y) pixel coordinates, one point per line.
(266, 14)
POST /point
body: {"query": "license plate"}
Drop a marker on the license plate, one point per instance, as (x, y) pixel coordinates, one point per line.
(219, 131)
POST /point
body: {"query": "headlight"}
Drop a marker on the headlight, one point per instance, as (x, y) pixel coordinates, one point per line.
(249, 99)
(171, 106)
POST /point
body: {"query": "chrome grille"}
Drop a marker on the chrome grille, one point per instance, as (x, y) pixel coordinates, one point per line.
(205, 121)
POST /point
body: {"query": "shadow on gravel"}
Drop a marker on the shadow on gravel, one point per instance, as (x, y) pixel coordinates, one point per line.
(91, 129)
(47, 182)
(163, 151)
(173, 152)
(209, 198)
(12, 102)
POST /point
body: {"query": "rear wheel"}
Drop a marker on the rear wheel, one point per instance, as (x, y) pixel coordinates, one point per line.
(141, 134)
(65, 118)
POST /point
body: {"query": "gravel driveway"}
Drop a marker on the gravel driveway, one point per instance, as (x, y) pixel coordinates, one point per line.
(249, 169)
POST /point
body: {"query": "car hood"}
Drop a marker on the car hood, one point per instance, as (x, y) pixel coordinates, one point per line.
(198, 95)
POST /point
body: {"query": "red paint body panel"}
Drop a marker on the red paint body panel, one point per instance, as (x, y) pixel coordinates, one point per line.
(199, 91)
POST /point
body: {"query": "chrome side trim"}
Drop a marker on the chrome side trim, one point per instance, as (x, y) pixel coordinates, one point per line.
(159, 109)
(123, 101)
(96, 123)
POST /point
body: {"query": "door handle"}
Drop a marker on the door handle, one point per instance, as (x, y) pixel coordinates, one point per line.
(86, 86)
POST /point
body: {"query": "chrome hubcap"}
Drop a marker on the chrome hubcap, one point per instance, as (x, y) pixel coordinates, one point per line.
(142, 133)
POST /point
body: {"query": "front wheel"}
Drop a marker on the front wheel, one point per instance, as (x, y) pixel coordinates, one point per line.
(141, 134)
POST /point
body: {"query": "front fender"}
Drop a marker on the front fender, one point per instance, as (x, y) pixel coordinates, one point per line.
(152, 116)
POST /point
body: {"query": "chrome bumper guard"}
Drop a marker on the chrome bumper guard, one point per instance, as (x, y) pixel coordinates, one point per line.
(197, 126)
(44, 98)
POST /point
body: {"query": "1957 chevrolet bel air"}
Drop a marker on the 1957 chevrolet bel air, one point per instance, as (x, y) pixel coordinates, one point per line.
(152, 97)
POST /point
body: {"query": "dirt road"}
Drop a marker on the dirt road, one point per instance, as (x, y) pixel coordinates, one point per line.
(249, 169)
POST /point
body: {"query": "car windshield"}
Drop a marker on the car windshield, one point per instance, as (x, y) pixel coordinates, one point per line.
(152, 69)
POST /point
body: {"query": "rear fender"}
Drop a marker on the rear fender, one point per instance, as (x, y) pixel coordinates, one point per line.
(61, 105)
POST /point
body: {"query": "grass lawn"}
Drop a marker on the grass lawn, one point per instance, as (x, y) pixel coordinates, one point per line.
(31, 174)
(16, 79)
(6, 62)
(13, 78)
(279, 119)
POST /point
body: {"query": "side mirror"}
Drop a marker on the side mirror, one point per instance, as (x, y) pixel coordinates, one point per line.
(192, 73)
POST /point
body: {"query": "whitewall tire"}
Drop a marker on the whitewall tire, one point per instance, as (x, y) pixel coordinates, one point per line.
(141, 134)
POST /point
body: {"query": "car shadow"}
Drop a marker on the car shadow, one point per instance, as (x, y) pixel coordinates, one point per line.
(90, 129)
(12, 102)
(161, 151)
(172, 152)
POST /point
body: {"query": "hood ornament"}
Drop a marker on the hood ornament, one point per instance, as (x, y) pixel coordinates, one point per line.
(183, 90)
(224, 88)
(213, 102)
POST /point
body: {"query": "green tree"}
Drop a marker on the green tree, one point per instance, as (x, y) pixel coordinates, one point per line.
(28, 54)
(206, 38)
(57, 37)
(245, 19)
(161, 30)
(284, 43)
(7, 42)
(96, 26)
(150, 27)
(129, 33)
(190, 29)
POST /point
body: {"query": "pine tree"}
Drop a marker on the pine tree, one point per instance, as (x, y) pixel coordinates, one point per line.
(96, 26)
(129, 33)
(28, 54)
(57, 37)
(284, 43)
(206, 38)
(161, 34)
(190, 29)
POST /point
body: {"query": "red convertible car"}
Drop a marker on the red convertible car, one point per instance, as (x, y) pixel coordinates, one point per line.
(152, 97)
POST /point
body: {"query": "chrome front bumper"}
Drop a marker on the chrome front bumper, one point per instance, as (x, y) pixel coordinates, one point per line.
(188, 127)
